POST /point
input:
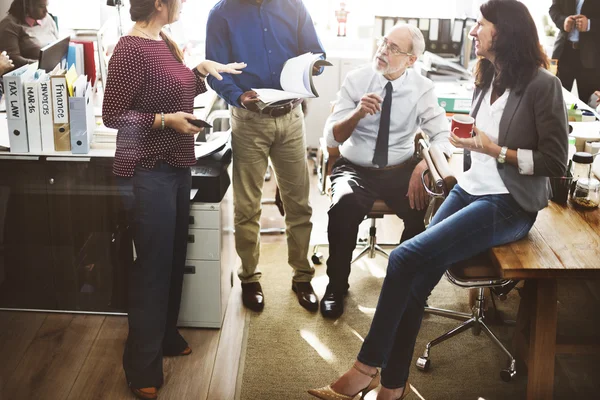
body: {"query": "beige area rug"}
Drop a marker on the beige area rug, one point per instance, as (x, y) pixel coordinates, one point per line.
(289, 350)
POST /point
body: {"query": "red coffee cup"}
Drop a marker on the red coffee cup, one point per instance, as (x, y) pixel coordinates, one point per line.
(462, 125)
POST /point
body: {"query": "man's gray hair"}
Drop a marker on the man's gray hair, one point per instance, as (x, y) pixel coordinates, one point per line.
(418, 41)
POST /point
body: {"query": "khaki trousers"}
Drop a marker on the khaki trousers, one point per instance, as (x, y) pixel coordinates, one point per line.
(255, 138)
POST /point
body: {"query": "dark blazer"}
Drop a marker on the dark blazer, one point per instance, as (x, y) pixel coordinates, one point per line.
(589, 41)
(534, 119)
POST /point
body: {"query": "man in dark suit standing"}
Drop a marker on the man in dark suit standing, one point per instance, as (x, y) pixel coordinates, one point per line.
(578, 43)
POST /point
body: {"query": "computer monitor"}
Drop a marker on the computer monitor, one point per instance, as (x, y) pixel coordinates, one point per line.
(53, 54)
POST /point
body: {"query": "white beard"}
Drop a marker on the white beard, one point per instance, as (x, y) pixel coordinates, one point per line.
(387, 70)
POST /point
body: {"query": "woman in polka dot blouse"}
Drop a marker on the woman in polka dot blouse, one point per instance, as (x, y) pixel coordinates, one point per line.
(149, 98)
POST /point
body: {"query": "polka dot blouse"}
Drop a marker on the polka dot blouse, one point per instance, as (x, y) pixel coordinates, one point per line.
(144, 79)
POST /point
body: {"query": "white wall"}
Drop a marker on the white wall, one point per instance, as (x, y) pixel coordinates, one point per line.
(4, 6)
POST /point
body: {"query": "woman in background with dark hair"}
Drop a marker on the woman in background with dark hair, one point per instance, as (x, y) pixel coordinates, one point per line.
(26, 29)
(149, 98)
(520, 140)
(6, 65)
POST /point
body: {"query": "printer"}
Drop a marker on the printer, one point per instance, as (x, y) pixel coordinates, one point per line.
(210, 176)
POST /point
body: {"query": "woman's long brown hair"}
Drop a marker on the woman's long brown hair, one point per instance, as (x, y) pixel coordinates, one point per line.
(518, 53)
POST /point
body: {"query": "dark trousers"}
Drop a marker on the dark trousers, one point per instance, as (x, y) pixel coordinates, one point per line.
(161, 209)
(354, 190)
(570, 69)
(464, 226)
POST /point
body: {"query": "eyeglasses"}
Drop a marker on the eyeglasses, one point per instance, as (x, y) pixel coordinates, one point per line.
(395, 50)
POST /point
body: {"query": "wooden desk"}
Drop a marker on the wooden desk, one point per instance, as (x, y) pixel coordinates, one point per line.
(563, 244)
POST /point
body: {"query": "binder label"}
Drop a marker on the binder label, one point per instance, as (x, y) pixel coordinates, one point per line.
(45, 98)
(31, 103)
(59, 92)
(13, 99)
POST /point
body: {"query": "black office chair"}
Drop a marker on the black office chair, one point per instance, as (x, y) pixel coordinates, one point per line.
(476, 273)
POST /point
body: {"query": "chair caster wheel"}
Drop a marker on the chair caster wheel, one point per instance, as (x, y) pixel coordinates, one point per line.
(317, 258)
(423, 364)
(507, 374)
(476, 329)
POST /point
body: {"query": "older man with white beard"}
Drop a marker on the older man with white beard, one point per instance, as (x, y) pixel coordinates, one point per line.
(378, 111)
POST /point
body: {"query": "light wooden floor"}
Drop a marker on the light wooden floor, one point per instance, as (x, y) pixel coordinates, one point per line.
(75, 357)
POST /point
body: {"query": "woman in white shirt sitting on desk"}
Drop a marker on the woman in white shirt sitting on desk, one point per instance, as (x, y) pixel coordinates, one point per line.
(520, 140)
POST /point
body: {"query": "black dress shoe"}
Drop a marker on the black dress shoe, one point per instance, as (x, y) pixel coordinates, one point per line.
(306, 295)
(332, 305)
(252, 296)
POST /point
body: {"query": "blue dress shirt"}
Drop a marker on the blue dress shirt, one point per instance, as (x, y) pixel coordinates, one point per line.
(263, 35)
(574, 34)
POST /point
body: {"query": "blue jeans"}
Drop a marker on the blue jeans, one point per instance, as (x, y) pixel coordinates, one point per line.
(159, 200)
(463, 227)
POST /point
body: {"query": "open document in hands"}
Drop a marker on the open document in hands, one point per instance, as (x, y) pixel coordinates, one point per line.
(296, 80)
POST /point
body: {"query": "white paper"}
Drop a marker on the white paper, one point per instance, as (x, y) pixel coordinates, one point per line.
(4, 141)
(272, 95)
(586, 130)
(215, 142)
(293, 69)
(193, 193)
(294, 80)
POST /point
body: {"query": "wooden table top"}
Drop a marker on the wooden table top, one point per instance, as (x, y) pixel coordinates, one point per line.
(563, 243)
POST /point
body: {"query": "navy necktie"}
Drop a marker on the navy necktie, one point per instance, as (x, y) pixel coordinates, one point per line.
(380, 158)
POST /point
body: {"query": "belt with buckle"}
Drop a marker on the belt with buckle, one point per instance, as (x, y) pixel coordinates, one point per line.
(574, 45)
(279, 110)
(388, 167)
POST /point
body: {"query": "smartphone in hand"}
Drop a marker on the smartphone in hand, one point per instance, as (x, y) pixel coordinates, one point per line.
(199, 123)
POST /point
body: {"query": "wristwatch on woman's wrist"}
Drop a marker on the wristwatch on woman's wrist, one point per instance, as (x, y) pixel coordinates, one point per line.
(502, 156)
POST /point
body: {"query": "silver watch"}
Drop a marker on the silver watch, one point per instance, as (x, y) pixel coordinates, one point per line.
(502, 156)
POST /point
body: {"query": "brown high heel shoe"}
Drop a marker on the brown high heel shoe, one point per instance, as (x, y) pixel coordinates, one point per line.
(186, 352)
(149, 393)
(373, 394)
(327, 393)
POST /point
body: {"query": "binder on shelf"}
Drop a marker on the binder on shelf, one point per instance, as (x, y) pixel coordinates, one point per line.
(378, 27)
(388, 24)
(89, 60)
(457, 36)
(15, 106)
(445, 36)
(424, 27)
(60, 111)
(81, 115)
(434, 26)
(46, 121)
(32, 109)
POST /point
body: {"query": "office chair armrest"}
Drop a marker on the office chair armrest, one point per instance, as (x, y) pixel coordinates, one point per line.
(441, 176)
(436, 181)
(443, 167)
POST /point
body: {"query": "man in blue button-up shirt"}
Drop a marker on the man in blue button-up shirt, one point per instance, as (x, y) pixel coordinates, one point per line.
(265, 34)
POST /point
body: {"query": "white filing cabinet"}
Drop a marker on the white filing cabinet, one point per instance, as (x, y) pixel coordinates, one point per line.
(209, 265)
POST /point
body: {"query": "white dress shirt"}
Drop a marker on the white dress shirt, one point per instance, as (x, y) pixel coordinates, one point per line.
(414, 106)
(483, 177)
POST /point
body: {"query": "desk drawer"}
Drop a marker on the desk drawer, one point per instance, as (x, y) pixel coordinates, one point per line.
(201, 295)
(203, 244)
(204, 219)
